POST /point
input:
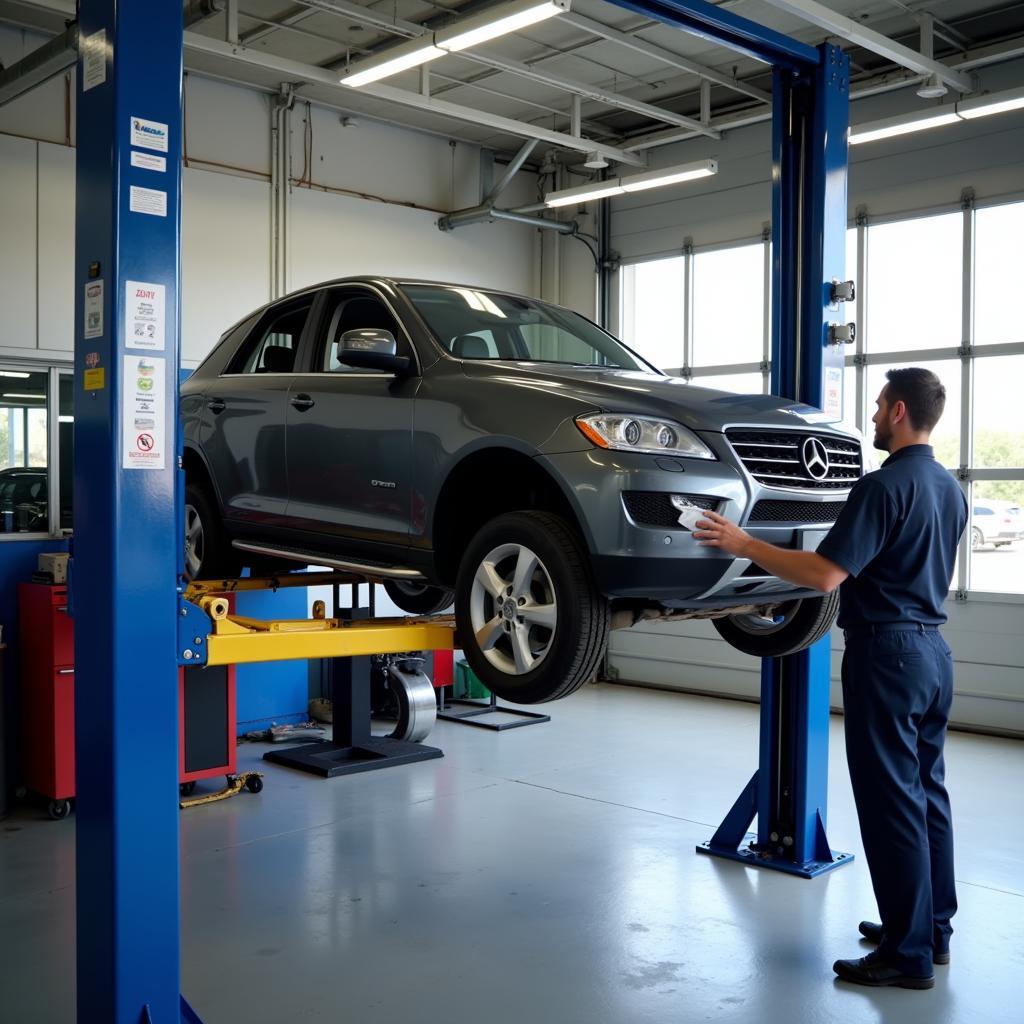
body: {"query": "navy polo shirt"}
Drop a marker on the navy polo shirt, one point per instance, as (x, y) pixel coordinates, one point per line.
(897, 538)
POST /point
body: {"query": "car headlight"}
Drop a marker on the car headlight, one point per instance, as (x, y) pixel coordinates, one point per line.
(642, 434)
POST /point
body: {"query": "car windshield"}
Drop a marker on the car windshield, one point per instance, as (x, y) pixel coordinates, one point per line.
(473, 324)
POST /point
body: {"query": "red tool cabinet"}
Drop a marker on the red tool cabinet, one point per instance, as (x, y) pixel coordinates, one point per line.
(206, 704)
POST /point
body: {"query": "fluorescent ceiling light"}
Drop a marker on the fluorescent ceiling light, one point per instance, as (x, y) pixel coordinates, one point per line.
(583, 193)
(462, 35)
(394, 60)
(470, 32)
(634, 183)
(904, 124)
(14, 373)
(669, 176)
(13, 394)
(994, 103)
(890, 127)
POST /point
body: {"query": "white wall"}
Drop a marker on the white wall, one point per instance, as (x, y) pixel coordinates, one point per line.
(372, 203)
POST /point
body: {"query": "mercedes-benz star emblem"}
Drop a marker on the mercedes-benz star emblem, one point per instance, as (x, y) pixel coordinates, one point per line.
(815, 458)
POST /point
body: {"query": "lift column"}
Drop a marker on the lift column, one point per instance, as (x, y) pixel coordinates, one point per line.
(126, 541)
(810, 119)
(789, 791)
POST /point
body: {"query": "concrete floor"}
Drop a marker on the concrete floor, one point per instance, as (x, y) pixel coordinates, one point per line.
(542, 875)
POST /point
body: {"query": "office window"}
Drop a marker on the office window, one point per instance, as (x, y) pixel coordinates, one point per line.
(24, 451)
(652, 310)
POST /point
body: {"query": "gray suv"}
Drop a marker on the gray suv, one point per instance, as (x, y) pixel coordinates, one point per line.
(508, 456)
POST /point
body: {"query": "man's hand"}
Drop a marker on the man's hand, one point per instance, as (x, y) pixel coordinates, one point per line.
(715, 531)
(805, 568)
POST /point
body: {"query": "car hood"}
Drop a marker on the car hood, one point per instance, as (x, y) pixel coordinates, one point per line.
(648, 394)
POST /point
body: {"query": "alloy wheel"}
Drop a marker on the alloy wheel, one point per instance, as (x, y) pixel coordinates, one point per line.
(513, 610)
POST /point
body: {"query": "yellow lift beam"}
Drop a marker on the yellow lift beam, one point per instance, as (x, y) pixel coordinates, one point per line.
(237, 640)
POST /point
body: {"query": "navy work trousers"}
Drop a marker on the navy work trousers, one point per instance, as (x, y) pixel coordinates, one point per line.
(897, 691)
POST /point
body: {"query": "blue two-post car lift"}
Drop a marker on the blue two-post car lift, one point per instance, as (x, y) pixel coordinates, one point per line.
(128, 487)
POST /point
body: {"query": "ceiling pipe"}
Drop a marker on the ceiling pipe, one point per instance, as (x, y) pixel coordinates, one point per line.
(485, 214)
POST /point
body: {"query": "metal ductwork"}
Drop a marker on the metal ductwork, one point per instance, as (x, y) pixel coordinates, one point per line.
(61, 52)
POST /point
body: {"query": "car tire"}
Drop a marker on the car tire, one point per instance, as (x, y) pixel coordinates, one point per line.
(977, 539)
(798, 625)
(208, 555)
(419, 598)
(525, 586)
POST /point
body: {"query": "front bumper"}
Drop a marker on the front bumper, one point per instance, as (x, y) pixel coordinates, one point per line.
(665, 563)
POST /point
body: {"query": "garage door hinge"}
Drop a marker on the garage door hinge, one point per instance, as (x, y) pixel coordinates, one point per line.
(961, 595)
(963, 473)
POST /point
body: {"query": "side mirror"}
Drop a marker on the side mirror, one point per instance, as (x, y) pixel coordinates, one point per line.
(371, 349)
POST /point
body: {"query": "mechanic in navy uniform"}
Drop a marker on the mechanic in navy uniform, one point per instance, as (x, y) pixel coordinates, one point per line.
(891, 554)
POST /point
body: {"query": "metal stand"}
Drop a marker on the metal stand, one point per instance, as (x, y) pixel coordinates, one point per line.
(789, 791)
(352, 748)
(477, 709)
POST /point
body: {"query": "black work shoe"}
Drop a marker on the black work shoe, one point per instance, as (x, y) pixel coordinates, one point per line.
(873, 971)
(873, 933)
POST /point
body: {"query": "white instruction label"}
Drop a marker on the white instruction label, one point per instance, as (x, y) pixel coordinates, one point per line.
(144, 306)
(149, 161)
(833, 398)
(149, 134)
(147, 200)
(143, 413)
(93, 309)
(94, 60)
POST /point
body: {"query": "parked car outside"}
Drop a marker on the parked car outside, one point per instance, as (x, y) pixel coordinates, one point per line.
(23, 500)
(506, 454)
(998, 523)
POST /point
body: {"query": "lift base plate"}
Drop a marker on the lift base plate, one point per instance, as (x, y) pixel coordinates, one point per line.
(328, 759)
(746, 854)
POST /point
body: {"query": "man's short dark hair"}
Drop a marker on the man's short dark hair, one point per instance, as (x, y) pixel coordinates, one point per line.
(920, 391)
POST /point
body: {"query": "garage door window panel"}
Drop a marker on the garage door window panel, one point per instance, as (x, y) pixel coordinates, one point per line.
(946, 435)
(997, 537)
(998, 423)
(922, 259)
(998, 234)
(653, 310)
(728, 306)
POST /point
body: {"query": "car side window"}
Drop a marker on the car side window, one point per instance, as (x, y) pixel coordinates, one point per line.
(354, 311)
(272, 346)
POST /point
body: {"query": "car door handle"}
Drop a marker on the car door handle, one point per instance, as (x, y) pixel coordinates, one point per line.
(302, 402)
(216, 405)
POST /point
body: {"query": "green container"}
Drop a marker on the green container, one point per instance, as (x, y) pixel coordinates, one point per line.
(467, 686)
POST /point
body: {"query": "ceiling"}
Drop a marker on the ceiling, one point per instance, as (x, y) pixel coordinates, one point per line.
(639, 81)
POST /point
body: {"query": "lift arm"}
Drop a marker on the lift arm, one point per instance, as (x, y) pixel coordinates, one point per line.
(209, 634)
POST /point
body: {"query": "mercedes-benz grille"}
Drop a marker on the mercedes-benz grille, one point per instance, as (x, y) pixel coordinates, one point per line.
(801, 459)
